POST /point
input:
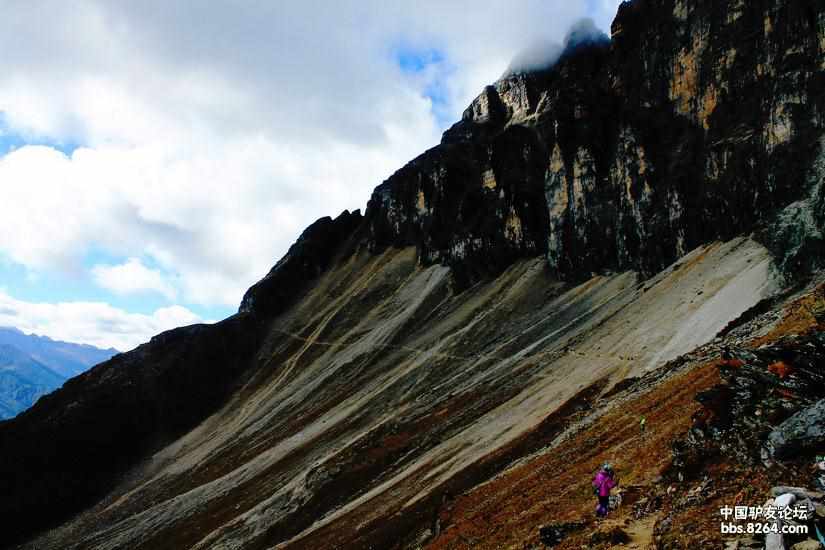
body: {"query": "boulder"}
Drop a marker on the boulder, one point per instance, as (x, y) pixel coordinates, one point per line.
(784, 500)
(804, 432)
(551, 535)
(798, 492)
(809, 544)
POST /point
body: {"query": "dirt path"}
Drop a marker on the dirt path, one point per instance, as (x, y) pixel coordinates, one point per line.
(641, 533)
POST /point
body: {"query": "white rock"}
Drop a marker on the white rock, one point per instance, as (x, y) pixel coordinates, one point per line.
(784, 500)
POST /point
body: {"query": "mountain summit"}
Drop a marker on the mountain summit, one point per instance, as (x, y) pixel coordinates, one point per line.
(604, 237)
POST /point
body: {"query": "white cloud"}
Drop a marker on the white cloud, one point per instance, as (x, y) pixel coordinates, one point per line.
(94, 323)
(215, 132)
(215, 222)
(132, 277)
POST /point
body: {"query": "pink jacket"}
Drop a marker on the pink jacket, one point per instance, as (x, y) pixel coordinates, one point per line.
(603, 482)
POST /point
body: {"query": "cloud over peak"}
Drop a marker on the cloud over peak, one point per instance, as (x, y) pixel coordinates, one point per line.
(544, 53)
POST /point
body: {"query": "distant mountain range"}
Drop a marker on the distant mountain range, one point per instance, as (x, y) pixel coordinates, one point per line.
(32, 366)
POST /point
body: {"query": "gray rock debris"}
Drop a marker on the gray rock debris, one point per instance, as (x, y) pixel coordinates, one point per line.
(798, 492)
(802, 432)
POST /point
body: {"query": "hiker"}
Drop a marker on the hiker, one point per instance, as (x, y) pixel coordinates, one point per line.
(602, 484)
(642, 424)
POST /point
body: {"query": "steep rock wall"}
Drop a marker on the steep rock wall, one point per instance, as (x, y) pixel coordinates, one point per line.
(699, 121)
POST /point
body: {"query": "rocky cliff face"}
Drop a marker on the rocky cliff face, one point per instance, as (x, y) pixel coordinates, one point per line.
(698, 122)
(364, 381)
(305, 260)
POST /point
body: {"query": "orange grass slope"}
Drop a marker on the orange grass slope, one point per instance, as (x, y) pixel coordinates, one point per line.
(555, 487)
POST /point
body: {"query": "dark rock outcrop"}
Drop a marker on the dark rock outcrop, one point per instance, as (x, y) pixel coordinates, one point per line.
(803, 433)
(763, 409)
(305, 260)
(700, 121)
(475, 208)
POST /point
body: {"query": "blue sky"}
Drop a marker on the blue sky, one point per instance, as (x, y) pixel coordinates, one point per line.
(156, 163)
(432, 69)
(11, 140)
